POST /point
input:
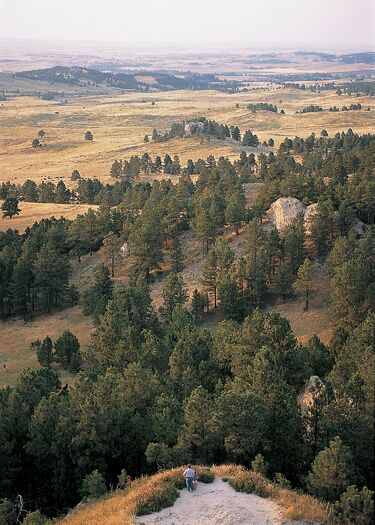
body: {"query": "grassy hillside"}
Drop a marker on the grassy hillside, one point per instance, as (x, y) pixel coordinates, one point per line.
(35, 211)
(16, 335)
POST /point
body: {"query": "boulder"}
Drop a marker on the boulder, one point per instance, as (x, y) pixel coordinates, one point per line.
(193, 127)
(125, 250)
(359, 228)
(305, 396)
(284, 210)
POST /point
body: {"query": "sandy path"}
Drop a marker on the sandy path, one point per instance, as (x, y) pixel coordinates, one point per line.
(216, 504)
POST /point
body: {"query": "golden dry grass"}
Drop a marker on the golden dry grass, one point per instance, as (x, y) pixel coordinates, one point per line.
(120, 507)
(35, 211)
(120, 122)
(16, 336)
(317, 319)
(297, 506)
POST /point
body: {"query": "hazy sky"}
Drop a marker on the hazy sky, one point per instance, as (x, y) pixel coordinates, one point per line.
(273, 23)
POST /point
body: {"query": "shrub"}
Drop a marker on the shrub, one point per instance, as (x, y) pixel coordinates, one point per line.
(354, 508)
(205, 475)
(7, 514)
(251, 483)
(93, 485)
(122, 479)
(281, 481)
(163, 496)
(259, 465)
(36, 518)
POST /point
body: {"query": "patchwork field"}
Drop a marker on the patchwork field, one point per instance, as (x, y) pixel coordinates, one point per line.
(119, 124)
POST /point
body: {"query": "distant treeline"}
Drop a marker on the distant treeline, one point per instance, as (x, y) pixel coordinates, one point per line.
(311, 109)
(356, 87)
(317, 109)
(202, 126)
(262, 106)
(83, 77)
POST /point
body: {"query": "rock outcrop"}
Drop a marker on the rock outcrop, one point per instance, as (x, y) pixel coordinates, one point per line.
(284, 210)
(310, 213)
(305, 396)
(193, 127)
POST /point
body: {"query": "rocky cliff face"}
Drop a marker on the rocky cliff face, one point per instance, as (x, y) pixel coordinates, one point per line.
(284, 210)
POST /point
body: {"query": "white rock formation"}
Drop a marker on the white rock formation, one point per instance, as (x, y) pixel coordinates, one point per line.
(125, 250)
(359, 228)
(305, 397)
(192, 127)
(284, 210)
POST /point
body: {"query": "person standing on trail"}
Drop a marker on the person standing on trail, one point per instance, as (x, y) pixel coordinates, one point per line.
(189, 476)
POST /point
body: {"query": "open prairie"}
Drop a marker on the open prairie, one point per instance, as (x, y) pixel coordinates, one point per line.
(120, 122)
(35, 211)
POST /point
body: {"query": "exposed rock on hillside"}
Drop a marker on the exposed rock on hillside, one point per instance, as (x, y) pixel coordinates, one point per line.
(284, 210)
(192, 127)
(305, 397)
(310, 213)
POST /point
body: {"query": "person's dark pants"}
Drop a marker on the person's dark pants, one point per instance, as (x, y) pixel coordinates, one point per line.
(189, 484)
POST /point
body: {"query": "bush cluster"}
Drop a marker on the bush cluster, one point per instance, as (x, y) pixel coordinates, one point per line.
(251, 483)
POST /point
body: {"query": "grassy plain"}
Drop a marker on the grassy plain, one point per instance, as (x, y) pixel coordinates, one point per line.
(35, 211)
(120, 122)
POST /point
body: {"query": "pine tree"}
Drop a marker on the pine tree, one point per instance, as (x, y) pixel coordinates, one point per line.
(91, 229)
(332, 471)
(205, 224)
(146, 240)
(304, 282)
(93, 486)
(294, 238)
(239, 420)
(231, 299)
(197, 437)
(235, 212)
(10, 207)
(218, 263)
(67, 350)
(284, 280)
(355, 507)
(51, 273)
(177, 256)
(174, 294)
(94, 300)
(62, 194)
(254, 263)
(197, 305)
(111, 251)
(45, 352)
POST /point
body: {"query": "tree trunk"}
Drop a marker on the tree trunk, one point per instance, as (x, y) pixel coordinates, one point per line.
(215, 299)
(307, 301)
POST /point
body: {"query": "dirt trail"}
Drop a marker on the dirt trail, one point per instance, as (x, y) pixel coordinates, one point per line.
(216, 504)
